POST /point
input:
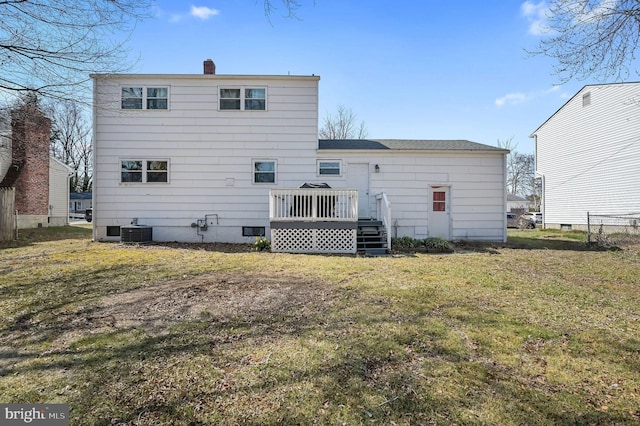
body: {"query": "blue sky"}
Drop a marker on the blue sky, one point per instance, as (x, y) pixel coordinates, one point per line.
(409, 70)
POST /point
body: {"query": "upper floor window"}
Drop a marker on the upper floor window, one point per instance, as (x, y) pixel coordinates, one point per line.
(264, 171)
(243, 99)
(586, 99)
(329, 167)
(145, 98)
(144, 171)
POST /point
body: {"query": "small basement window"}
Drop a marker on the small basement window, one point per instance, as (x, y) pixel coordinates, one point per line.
(565, 227)
(113, 231)
(253, 231)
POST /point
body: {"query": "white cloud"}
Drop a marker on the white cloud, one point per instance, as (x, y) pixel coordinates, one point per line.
(519, 97)
(537, 14)
(203, 12)
(511, 98)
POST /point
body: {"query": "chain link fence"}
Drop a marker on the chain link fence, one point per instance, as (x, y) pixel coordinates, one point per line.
(613, 229)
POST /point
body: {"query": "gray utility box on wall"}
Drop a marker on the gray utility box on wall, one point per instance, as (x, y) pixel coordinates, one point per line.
(136, 234)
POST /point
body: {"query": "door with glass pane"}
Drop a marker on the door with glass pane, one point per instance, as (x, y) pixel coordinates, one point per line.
(439, 215)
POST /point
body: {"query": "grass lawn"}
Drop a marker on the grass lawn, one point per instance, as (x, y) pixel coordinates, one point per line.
(541, 330)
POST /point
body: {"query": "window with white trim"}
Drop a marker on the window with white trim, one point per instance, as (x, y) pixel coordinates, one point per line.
(243, 98)
(329, 168)
(148, 98)
(144, 171)
(264, 171)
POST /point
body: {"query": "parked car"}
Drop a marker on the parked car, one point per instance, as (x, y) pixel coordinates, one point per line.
(88, 215)
(522, 221)
(535, 216)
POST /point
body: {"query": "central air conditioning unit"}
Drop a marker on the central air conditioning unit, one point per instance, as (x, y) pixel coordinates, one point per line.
(136, 234)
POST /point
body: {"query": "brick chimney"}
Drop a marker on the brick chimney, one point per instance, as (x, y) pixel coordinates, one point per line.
(209, 67)
(31, 132)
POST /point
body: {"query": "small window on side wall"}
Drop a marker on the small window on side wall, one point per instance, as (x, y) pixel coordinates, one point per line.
(586, 99)
(264, 171)
(329, 168)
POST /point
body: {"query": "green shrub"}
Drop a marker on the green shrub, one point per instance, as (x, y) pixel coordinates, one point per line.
(262, 244)
(431, 245)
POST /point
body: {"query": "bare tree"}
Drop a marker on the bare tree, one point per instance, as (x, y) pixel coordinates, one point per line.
(71, 142)
(289, 6)
(520, 170)
(51, 47)
(342, 125)
(597, 38)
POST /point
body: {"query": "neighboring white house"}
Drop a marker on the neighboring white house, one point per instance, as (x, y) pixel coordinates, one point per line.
(197, 158)
(58, 192)
(515, 203)
(587, 155)
(80, 201)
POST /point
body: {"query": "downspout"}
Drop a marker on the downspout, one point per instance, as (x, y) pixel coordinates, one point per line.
(504, 196)
(95, 154)
(542, 180)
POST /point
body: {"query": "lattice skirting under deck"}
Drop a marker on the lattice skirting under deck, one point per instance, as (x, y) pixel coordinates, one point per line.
(309, 240)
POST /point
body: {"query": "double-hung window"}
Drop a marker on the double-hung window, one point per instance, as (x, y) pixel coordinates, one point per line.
(144, 171)
(264, 171)
(243, 98)
(148, 98)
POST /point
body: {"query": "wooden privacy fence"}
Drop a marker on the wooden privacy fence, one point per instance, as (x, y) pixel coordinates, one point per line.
(7, 217)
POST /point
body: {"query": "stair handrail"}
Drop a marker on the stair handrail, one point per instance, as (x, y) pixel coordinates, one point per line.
(383, 212)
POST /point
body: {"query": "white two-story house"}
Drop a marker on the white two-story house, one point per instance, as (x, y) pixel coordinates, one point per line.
(221, 158)
(587, 156)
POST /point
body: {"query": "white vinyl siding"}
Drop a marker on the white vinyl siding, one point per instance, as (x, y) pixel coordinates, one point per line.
(58, 193)
(210, 151)
(477, 198)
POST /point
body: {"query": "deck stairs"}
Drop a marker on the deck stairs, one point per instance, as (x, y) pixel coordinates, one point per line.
(372, 237)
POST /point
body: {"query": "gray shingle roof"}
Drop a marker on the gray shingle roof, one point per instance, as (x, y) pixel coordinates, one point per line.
(512, 197)
(80, 196)
(406, 144)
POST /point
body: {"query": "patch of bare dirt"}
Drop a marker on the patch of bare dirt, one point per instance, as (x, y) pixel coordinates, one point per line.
(217, 297)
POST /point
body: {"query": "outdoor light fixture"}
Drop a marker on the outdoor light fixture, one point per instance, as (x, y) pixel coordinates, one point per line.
(377, 168)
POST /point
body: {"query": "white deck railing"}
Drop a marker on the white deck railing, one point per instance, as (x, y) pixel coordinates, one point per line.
(313, 205)
(383, 211)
